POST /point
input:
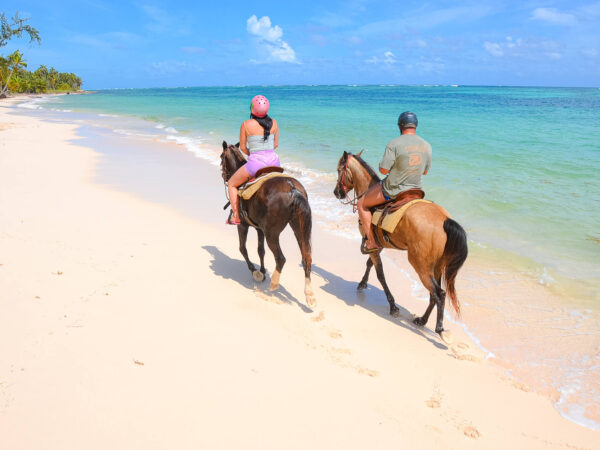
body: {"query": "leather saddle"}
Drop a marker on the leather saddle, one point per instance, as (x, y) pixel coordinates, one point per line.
(399, 201)
(266, 170)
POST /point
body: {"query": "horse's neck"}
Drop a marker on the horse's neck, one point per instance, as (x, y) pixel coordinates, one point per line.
(362, 179)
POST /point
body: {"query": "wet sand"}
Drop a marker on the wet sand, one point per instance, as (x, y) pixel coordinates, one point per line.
(134, 324)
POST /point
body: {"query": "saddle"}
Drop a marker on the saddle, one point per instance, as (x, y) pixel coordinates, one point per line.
(388, 215)
(248, 189)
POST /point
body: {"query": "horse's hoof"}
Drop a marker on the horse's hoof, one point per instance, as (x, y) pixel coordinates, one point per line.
(258, 276)
(274, 286)
(395, 312)
(311, 301)
(446, 337)
(361, 286)
(418, 321)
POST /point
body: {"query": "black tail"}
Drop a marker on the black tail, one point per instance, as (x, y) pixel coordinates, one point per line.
(301, 222)
(455, 253)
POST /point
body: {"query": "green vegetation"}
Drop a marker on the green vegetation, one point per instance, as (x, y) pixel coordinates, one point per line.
(14, 77)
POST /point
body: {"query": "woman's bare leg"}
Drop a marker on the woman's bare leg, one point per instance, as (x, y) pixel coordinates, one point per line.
(237, 179)
(374, 196)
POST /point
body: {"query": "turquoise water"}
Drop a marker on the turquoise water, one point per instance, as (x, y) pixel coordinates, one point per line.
(517, 166)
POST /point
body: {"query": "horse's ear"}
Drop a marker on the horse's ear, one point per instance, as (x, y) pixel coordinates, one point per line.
(345, 155)
(359, 153)
(237, 145)
(224, 145)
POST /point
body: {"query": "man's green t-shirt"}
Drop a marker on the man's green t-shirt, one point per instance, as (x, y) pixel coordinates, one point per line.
(407, 158)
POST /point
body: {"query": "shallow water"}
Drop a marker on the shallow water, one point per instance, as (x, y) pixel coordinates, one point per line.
(504, 165)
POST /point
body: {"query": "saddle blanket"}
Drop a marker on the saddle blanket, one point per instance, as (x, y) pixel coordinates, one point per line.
(391, 220)
(249, 189)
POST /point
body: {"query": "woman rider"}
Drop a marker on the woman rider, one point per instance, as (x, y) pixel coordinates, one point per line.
(259, 137)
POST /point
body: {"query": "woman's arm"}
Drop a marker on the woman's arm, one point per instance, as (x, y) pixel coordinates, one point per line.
(275, 134)
(243, 137)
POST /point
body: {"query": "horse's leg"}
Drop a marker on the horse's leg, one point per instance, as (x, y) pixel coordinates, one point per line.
(421, 321)
(260, 275)
(437, 297)
(243, 235)
(376, 260)
(440, 299)
(273, 243)
(302, 234)
(363, 283)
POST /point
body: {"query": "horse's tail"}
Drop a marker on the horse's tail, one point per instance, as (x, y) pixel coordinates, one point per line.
(455, 253)
(303, 216)
(301, 222)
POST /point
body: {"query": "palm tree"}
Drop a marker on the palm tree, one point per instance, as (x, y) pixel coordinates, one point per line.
(15, 62)
(53, 77)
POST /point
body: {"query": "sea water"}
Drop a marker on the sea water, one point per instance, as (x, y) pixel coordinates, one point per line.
(516, 166)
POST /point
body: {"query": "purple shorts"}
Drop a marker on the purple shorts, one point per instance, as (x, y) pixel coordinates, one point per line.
(260, 159)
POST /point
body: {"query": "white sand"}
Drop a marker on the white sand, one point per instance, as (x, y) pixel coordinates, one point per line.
(125, 324)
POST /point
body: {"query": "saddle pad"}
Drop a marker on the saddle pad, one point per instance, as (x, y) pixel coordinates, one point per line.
(250, 188)
(391, 220)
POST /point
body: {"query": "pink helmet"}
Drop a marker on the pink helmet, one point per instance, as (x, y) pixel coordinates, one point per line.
(259, 106)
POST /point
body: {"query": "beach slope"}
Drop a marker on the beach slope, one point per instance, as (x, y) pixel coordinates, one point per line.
(127, 324)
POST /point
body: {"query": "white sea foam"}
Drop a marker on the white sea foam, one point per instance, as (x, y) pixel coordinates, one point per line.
(171, 130)
(34, 103)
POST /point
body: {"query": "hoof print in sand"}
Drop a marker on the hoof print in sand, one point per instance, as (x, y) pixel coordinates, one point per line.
(319, 317)
(267, 298)
(335, 334)
(471, 432)
(463, 356)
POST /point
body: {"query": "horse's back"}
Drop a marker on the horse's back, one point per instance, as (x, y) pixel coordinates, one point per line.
(422, 227)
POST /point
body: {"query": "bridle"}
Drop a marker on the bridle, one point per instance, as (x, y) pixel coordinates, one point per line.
(349, 201)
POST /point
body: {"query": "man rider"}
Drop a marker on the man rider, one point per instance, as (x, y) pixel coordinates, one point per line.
(405, 160)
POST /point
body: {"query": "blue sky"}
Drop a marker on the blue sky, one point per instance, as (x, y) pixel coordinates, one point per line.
(148, 43)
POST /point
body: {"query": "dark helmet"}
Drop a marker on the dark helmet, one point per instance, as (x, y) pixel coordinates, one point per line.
(408, 119)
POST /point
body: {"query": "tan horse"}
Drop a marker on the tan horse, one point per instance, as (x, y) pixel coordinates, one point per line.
(436, 244)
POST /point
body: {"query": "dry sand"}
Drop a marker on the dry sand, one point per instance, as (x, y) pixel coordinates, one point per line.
(127, 324)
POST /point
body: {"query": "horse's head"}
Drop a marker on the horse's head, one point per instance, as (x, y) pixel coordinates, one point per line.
(345, 178)
(231, 160)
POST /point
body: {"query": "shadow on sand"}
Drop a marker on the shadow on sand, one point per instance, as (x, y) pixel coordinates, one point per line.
(236, 270)
(374, 300)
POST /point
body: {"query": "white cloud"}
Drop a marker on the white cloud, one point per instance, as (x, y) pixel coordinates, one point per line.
(552, 15)
(269, 38)
(193, 49)
(493, 48)
(173, 67)
(388, 58)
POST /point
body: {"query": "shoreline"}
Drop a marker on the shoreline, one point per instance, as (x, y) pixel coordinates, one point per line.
(495, 330)
(351, 346)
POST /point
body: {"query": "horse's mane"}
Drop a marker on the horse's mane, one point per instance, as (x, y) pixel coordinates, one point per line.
(367, 167)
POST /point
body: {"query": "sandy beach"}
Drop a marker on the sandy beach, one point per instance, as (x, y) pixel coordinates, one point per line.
(129, 323)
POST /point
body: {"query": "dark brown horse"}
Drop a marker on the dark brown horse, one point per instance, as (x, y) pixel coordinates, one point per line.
(278, 202)
(436, 244)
